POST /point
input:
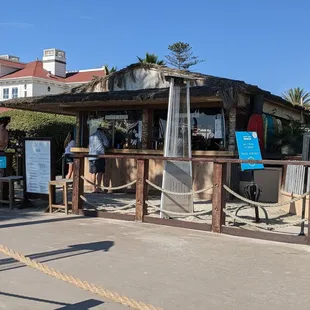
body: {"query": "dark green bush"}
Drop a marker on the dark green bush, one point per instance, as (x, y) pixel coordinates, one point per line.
(34, 124)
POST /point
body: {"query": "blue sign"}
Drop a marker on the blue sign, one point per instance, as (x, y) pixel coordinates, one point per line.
(248, 149)
(2, 162)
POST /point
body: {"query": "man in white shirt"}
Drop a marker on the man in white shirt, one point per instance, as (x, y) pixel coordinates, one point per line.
(97, 143)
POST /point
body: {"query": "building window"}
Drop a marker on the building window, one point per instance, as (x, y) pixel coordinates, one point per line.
(60, 54)
(14, 92)
(48, 53)
(25, 93)
(48, 88)
(123, 129)
(207, 129)
(5, 93)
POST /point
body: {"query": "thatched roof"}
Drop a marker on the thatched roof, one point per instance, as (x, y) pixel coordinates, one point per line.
(108, 94)
(217, 85)
(117, 79)
(63, 103)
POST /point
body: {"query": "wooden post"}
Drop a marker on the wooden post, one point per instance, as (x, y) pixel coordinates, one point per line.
(78, 184)
(218, 198)
(84, 130)
(141, 188)
(78, 129)
(232, 119)
(147, 128)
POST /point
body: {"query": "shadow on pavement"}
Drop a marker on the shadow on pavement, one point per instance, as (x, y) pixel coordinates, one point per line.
(72, 250)
(50, 220)
(86, 304)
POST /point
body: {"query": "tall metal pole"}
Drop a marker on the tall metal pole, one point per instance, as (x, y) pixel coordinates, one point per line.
(304, 200)
(167, 134)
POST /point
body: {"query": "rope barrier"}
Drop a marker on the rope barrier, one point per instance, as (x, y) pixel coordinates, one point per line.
(262, 204)
(102, 207)
(98, 290)
(269, 226)
(177, 194)
(109, 188)
(176, 213)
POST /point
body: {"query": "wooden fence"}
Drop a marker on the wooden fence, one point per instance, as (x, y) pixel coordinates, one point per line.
(218, 196)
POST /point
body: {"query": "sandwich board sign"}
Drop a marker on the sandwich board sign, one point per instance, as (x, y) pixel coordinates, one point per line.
(248, 149)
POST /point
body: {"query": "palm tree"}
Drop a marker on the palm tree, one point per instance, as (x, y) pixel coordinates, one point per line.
(151, 59)
(108, 70)
(297, 96)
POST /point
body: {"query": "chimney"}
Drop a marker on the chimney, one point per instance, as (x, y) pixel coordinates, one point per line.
(54, 60)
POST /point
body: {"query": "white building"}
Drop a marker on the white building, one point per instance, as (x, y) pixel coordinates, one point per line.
(40, 77)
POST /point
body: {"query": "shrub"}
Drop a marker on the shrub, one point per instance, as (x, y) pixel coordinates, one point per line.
(35, 124)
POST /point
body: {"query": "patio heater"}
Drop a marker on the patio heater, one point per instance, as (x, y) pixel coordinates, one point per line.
(177, 175)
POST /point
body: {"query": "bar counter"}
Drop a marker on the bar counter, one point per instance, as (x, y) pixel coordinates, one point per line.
(123, 171)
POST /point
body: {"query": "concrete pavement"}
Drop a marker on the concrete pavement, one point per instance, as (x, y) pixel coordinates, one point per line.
(168, 267)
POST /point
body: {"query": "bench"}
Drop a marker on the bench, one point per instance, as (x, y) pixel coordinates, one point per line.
(11, 180)
(64, 183)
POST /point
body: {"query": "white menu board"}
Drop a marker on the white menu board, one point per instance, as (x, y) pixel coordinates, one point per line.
(218, 133)
(38, 166)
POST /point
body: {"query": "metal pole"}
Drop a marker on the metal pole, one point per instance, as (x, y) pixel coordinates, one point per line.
(18, 169)
(63, 165)
(304, 200)
(113, 134)
(167, 135)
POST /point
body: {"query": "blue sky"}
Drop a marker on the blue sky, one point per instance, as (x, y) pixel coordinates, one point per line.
(263, 42)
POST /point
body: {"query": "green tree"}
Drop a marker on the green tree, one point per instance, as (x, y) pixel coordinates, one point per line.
(297, 96)
(151, 59)
(182, 56)
(108, 70)
(35, 124)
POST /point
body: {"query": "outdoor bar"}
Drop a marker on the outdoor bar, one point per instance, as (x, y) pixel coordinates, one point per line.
(132, 104)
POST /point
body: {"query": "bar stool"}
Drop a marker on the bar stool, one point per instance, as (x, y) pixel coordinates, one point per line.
(65, 185)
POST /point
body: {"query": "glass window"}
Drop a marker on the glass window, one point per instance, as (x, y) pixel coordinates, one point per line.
(48, 53)
(60, 54)
(14, 92)
(207, 129)
(123, 128)
(5, 93)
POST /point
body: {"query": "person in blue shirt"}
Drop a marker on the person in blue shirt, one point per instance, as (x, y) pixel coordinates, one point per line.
(68, 144)
(98, 142)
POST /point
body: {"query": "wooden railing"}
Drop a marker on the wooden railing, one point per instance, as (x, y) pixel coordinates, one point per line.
(218, 195)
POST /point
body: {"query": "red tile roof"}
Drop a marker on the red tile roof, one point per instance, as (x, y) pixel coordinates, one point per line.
(83, 76)
(11, 63)
(35, 69)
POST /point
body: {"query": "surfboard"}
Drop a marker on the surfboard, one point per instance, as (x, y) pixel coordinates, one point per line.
(256, 124)
(265, 130)
(270, 130)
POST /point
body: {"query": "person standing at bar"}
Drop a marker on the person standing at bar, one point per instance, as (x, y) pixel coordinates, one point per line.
(98, 142)
(68, 144)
